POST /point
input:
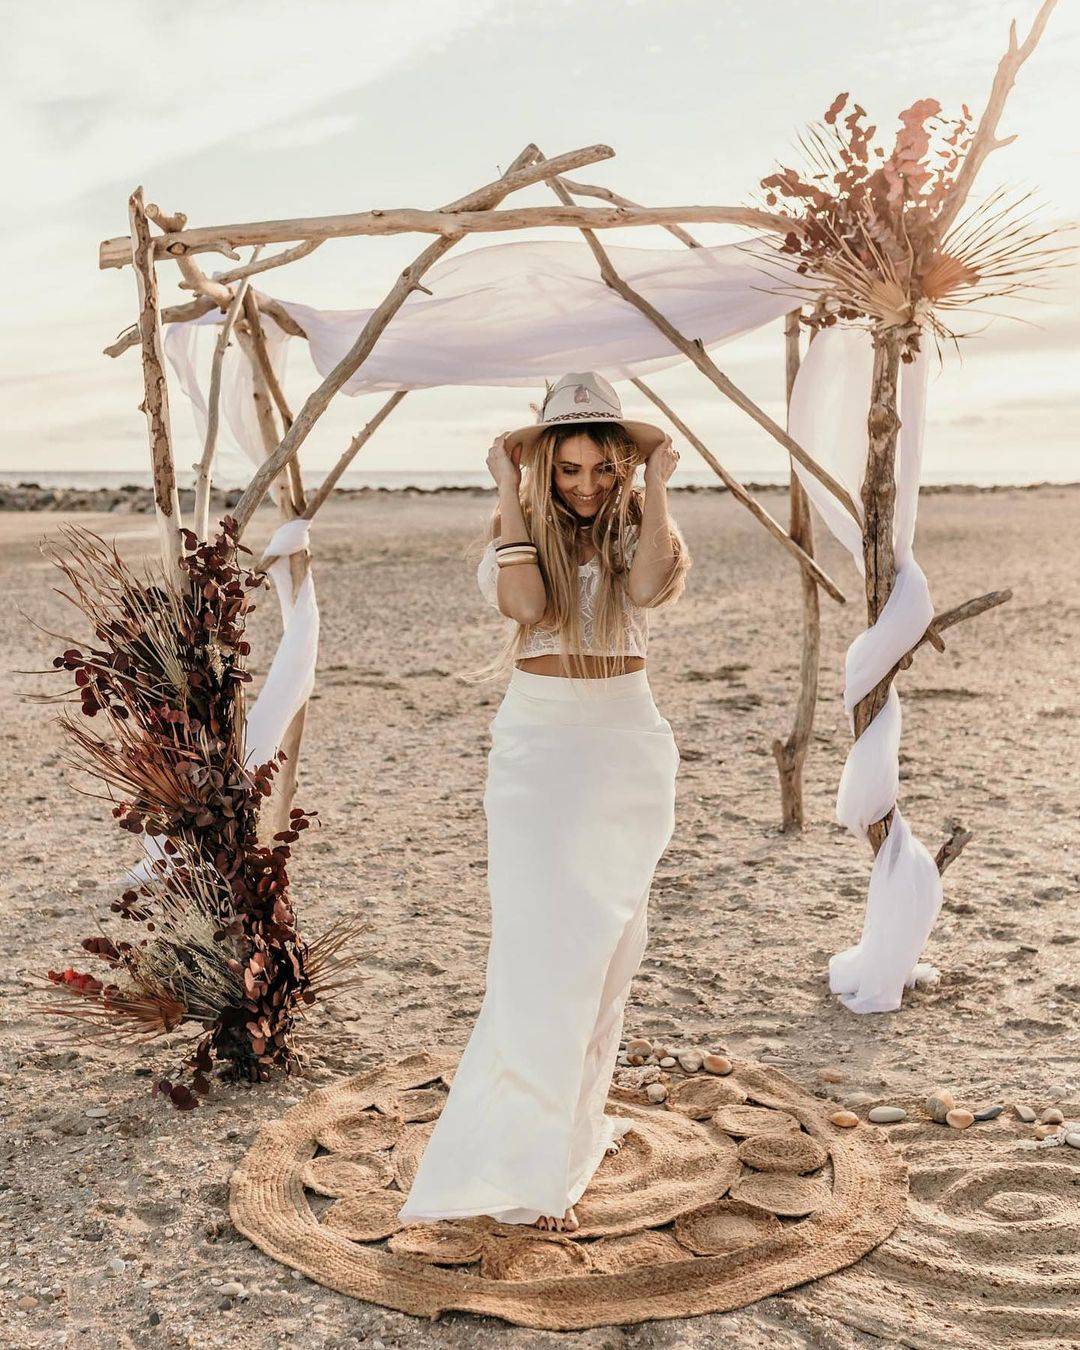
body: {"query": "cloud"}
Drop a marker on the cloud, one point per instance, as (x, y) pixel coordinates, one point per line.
(97, 93)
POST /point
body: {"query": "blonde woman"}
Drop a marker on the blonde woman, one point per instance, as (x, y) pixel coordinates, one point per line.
(580, 802)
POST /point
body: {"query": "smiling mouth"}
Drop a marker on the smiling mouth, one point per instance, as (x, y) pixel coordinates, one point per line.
(580, 497)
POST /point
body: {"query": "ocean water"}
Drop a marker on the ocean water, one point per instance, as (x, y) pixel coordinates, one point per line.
(426, 481)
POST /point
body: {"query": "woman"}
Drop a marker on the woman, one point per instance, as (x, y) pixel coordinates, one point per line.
(579, 801)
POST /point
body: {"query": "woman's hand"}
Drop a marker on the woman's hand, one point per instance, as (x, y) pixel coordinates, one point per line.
(504, 464)
(661, 463)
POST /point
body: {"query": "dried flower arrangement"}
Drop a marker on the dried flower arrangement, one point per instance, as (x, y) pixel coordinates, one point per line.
(876, 234)
(215, 945)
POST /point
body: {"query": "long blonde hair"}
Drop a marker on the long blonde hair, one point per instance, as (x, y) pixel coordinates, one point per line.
(553, 528)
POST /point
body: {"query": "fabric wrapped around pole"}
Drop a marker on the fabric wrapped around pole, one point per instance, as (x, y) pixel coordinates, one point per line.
(830, 404)
(580, 805)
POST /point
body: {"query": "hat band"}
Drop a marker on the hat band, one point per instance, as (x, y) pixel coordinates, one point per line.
(581, 417)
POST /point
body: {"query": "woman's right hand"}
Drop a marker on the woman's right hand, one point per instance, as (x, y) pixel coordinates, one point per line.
(504, 464)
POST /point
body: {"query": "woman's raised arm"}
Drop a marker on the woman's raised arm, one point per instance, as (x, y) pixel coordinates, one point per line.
(521, 591)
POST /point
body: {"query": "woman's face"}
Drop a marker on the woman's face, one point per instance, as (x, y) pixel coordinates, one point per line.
(582, 475)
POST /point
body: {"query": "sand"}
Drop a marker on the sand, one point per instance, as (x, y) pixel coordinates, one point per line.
(114, 1206)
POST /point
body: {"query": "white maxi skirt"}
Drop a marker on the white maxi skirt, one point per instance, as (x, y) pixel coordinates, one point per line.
(580, 806)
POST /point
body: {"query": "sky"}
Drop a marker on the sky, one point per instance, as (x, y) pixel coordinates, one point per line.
(251, 111)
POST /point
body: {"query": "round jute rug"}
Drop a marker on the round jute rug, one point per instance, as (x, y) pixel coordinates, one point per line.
(658, 1238)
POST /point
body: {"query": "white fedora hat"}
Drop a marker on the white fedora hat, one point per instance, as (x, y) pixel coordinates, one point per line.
(583, 396)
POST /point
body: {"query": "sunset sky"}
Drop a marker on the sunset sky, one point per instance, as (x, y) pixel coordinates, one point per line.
(252, 111)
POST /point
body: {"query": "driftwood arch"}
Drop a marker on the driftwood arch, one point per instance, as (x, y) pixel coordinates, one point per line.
(914, 202)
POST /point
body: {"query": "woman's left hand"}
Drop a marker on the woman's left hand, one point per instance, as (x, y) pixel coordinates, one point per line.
(661, 463)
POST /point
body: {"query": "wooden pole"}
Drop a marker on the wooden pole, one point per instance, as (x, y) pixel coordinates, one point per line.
(522, 172)
(811, 571)
(790, 754)
(452, 221)
(156, 391)
(879, 502)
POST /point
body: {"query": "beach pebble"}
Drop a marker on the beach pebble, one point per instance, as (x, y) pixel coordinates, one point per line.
(233, 1289)
(668, 1062)
(690, 1060)
(938, 1106)
(656, 1092)
(1056, 1091)
(847, 1120)
(1052, 1116)
(856, 1099)
(1046, 1131)
(117, 1265)
(960, 1119)
(96, 1112)
(1073, 1139)
(716, 1064)
(989, 1112)
(832, 1075)
(639, 1047)
(886, 1115)
(1026, 1114)
(27, 1302)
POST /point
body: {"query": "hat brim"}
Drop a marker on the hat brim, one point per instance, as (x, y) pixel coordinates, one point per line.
(645, 436)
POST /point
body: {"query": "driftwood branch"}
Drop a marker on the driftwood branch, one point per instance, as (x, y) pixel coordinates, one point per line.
(448, 221)
(952, 848)
(950, 617)
(273, 386)
(522, 173)
(606, 195)
(155, 390)
(790, 754)
(986, 138)
(195, 309)
(250, 269)
(807, 563)
(878, 502)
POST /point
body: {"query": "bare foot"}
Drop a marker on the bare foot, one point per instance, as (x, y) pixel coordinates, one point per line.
(566, 1224)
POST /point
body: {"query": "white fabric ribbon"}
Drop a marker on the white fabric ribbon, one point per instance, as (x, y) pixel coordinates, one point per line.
(830, 404)
(291, 676)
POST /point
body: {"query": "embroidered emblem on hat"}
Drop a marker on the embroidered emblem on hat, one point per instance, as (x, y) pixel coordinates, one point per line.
(581, 394)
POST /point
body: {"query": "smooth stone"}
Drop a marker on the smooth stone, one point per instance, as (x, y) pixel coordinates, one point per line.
(832, 1075)
(1052, 1116)
(233, 1289)
(27, 1302)
(668, 1062)
(96, 1112)
(716, 1064)
(639, 1047)
(856, 1099)
(1046, 1131)
(846, 1120)
(635, 1060)
(938, 1106)
(1026, 1114)
(989, 1112)
(656, 1092)
(690, 1060)
(1073, 1139)
(886, 1115)
(1056, 1091)
(117, 1265)
(960, 1119)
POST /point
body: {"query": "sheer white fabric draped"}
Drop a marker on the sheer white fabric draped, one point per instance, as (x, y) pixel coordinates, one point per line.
(829, 408)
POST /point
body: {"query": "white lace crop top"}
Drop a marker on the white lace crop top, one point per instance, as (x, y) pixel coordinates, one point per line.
(545, 642)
